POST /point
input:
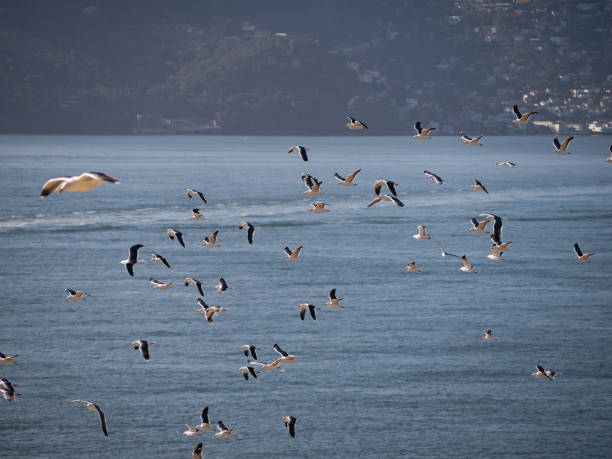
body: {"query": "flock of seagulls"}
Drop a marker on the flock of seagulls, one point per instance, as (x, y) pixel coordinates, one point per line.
(89, 181)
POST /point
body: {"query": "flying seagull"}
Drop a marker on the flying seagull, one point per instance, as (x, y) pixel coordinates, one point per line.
(433, 177)
(132, 259)
(355, 124)
(197, 452)
(94, 407)
(388, 183)
(7, 359)
(224, 432)
(249, 348)
(7, 389)
(312, 184)
(422, 134)
(196, 217)
(143, 347)
(467, 140)
(506, 164)
(290, 422)
(348, 181)
(250, 230)
(496, 253)
(75, 295)
(488, 336)
(205, 424)
(157, 285)
(581, 257)
(334, 302)
(159, 260)
(301, 150)
(542, 373)
(87, 181)
(266, 366)
(479, 227)
(521, 120)
(246, 371)
(496, 237)
(172, 233)
(194, 194)
(189, 281)
(318, 208)
(293, 255)
(307, 307)
(412, 268)
(422, 234)
(387, 198)
(211, 241)
(478, 187)
(192, 431)
(285, 357)
(561, 148)
(222, 287)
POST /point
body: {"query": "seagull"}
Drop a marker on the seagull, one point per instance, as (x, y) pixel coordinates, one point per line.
(249, 348)
(422, 134)
(157, 285)
(609, 160)
(333, 301)
(197, 452)
(422, 234)
(132, 259)
(196, 217)
(302, 151)
(479, 227)
(561, 148)
(222, 287)
(75, 295)
(307, 307)
(318, 208)
(7, 359)
(159, 260)
(294, 255)
(581, 257)
(172, 233)
(488, 336)
(192, 431)
(290, 424)
(313, 185)
(467, 266)
(250, 230)
(388, 198)
(497, 232)
(478, 186)
(542, 373)
(506, 164)
(223, 431)
(433, 177)
(348, 181)
(8, 391)
(94, 407)
(211, 241)
(354, 124)
(521, 120)
(467, 140)
(246, 370)
(444, 252)
(266, 366)
(189, 281)
(412, 268)
(6, 384)
(194, 194)
(87, 181)
(205, 424)
(143, 347)
(378, 184)
(209, 312)
(496, 253)
(285, 358)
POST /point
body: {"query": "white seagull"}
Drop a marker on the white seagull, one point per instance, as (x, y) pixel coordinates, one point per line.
(348, 181)
(467, 266)
(542, 373)
(561, 148)
(433, 177)
(143, 347)
(334, 302)
(307, 307)
(496, 253)
(132, 260)
(506, 164)
(496, 237)
(478, 187)
(422, 234)
(312, 184)
(87, 181)
(249, 348)
(378, 184)
(412, 268)
(209, 312)
(479, 227)
(422, 134)
(197, 452)
(301, 150)
(172, 233)
(192, 431)
(159, 260)
(488, 336)
(387, 198)
(222, 287)
(158, 285)
(224, 432)
(521, 120)
(75, 295)
(293, 255)
(355, 124)
(245, 371)
(205, 424)
(285, 358)
(7, 390)
(581, 257)
(196, 217)
(211, 241)
(318, 208)
(467, 140)
(290, 422)
(250, 230)
(189, 281)
(94, 407)
(7, 359)
(194, 194)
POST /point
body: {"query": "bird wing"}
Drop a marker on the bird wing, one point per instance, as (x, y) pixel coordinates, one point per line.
(313, 311)
(291, 426)
(197, 452)
(179, 236)
(221, 426)
(465, 137)
(517, 112)
(99, 176)
(204, 416)
(397, 201)
(352, 176)
(465, 262)
(378, 186)
(202, 196)
(288, 251)
(133, 256)
(482, 225)
(303, 154)
(566, 143)
(376, 200)
(130, 268)
(428, 130)
(339, 177)
(52, 185)
(418, 128)
(479, 138)
(391, 186)
(250, 233)
(199, 286)
(292, 149)
(297, 251)
(302, 312)
(280, 351)
(102, 420)
(213, 237)
(481, 186)
(556, 143)
(332, 294)
(351, 119)
(577, 249)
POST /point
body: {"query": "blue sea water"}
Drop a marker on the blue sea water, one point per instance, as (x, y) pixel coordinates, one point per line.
(400, 371)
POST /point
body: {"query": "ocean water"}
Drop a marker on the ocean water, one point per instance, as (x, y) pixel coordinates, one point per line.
(400, 371)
